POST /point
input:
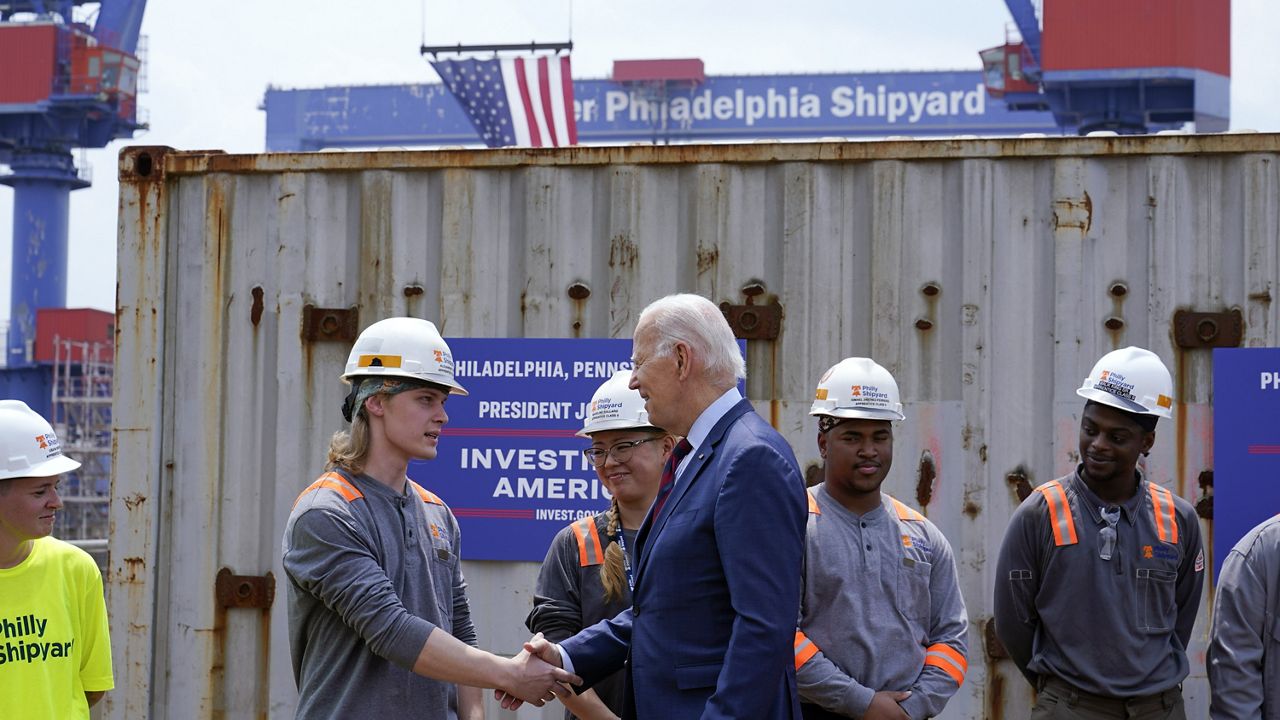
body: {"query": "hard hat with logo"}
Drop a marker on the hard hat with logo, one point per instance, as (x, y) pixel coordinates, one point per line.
(403, 347)
(614, 406)
(1131, 379)
(28, 444)
(857, 388)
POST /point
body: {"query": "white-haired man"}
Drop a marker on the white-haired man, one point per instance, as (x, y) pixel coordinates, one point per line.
(717, 584)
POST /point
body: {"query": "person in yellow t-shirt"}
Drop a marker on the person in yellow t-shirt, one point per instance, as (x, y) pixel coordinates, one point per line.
(55, 652)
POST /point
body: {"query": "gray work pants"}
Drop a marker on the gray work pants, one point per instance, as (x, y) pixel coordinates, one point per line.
(1059, 700)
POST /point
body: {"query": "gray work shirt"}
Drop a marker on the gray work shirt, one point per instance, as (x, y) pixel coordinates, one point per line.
(1117, 627)
(570, 596)
(1244, 642)
(371, 573)
(881, 607)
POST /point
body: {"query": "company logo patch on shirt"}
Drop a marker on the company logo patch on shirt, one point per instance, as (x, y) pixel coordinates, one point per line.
(1146, 552)
(1200, 561)
(1159, 552)
(906, 541)
(435, 530)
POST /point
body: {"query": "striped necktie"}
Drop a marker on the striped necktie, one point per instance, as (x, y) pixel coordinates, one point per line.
(669, 476)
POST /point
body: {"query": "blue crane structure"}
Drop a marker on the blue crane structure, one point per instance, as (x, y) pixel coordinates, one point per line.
(65, 83)
(1130, 67)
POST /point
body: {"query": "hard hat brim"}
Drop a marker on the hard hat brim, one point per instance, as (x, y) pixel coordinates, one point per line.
(588, 431)
(48, 468)
(861, 414)
(1117, 402)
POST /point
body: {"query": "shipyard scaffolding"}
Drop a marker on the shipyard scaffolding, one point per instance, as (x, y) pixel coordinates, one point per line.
(82, 390)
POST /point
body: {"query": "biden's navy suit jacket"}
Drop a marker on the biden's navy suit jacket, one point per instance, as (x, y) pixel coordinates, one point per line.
(711, 629)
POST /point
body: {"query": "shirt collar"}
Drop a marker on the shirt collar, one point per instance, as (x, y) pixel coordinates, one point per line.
(1129, 509)
(707, 420)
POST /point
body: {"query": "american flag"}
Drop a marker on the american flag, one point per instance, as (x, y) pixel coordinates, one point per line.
(514, 101)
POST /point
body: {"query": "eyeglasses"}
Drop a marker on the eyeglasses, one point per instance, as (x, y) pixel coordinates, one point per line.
(1107, 535)
(620, 452)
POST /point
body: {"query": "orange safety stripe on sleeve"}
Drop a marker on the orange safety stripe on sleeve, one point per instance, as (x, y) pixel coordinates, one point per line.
(1064, 527)
(948, 660)
(813, 504)
(332, 481)
(426, 495)
(590, 552)
(905, 512)
(1165, 513)
(805, 649)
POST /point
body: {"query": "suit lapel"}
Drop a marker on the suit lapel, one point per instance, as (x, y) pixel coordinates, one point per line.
(652, 526)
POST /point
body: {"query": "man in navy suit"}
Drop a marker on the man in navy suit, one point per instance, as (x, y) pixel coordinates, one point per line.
(717, 581)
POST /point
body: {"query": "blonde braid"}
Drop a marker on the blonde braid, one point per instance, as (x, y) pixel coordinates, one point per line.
(612, 576)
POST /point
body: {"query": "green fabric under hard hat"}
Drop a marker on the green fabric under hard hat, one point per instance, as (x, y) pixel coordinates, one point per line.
(370, 386)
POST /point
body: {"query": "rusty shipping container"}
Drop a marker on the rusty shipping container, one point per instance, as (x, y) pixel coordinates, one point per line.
(988, 275)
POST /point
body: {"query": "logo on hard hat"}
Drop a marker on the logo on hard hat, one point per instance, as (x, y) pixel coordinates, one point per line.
(821, 394)
(869, 394)
(49, 441)
(43, 442)
(1115, 383)
(439, 355)
(857, 391)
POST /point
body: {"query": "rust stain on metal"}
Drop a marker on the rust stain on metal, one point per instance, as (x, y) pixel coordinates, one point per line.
(578, 292)
(244, 591)
(1262, 297)
(133, 501)
(926, 473)
(982, 452)
(255, 312)
(330, 324)
(1194, 330)
(972, 509)
(1204, 506)
(991, 642)
(622, 252)
(995, 697)
(134, 570)
(707, 259)
(413, 290)
(751, 321)
(1074, 213)
(924, 324)
(1019, 482)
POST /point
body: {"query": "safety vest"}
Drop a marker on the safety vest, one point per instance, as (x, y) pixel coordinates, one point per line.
(1064, 525)
(590, 550)
(939, 655)
(349, 492)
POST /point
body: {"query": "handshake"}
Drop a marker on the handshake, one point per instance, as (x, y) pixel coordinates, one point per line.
(538, 678)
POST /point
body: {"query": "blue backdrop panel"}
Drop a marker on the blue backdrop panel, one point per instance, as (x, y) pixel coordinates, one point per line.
(722, 108)
(1246, 443)
(510, 466)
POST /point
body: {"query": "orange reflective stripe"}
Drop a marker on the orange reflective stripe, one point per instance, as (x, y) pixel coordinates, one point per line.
(1165, 513)
(426, 495)
(1064, 527)
(805, 649)
(813, 504)
(332, 481)
(904, 512)
(948, 660)
(590, 552)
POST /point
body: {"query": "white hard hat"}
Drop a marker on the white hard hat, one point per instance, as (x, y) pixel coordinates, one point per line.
(615, 406)
(403, 347)
(858, 388)
(28, 446)
(1131, 379)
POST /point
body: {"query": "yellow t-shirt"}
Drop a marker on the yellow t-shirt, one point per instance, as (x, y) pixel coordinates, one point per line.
(53, 634)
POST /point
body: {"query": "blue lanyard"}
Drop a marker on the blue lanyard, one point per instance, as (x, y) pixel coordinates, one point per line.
(626, 559)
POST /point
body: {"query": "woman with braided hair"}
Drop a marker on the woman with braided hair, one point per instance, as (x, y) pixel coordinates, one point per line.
(587, 574)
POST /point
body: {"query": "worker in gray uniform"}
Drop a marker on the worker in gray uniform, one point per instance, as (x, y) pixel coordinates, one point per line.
(590, 567)
(1099, 577)
(379, 622)
(1244, 641)
(882, 622)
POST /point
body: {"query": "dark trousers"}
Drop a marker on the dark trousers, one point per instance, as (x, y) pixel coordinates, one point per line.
(1059, 700)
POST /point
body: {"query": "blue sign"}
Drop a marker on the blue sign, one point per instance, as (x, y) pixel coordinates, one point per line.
(721, 108)
(509, 464)
(1246, 443)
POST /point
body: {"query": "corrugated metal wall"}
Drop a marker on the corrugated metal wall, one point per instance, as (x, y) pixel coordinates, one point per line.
(988, 275)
